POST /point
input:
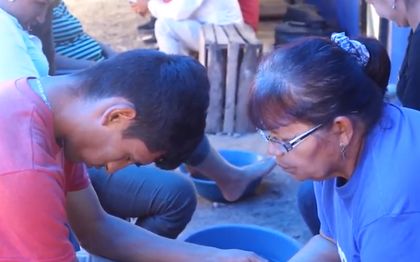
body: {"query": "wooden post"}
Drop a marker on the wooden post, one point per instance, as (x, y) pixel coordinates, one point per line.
(231, 84)
(206, 37)
(246, 77)
(216, 72)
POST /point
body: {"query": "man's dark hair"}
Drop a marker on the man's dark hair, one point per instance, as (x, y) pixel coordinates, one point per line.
(170, 94)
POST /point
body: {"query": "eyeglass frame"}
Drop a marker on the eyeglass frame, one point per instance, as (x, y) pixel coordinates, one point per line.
(287, 146)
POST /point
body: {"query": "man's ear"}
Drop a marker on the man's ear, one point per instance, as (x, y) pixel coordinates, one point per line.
(118, 114)
(344, 128)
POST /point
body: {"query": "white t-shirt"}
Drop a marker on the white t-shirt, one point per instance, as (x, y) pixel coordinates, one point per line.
(20, 53)
(219, 12)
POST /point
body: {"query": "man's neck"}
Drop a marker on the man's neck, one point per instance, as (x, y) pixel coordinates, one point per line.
(60, 95)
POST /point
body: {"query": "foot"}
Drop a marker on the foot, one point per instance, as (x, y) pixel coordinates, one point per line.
(242, 179)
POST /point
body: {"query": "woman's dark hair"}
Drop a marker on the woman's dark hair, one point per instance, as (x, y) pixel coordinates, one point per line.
(379, 65)
(314, 80)
(170, 93)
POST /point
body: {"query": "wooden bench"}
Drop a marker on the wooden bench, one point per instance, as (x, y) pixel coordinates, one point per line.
(231, 54)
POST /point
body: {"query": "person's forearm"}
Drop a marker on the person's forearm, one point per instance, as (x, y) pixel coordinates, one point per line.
(71, 64)
(137, 244)
(114, 238)
(317, 249)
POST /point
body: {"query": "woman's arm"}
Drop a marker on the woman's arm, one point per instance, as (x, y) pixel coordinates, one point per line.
(319, 248)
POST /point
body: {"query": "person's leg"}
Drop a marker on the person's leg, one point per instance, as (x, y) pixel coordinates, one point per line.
(307, 206)
(177, 37)
(162, 202)
(232, 180)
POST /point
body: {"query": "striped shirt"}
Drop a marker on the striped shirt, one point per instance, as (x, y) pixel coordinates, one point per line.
(69, 38)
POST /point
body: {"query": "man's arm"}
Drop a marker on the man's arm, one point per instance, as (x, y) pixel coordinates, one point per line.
(114, 238)
(318, 248)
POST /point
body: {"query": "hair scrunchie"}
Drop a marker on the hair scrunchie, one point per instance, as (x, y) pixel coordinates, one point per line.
(353, 47)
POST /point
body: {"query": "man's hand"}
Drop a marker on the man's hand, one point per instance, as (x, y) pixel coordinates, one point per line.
(139, 6)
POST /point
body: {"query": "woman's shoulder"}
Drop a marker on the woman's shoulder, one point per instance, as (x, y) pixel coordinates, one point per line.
(395, 115)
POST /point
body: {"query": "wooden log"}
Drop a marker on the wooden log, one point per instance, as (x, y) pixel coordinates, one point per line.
(207, 36)
(247, 33)
(247, 70)
(233, 34)
(231, 85)
(221, 37)
(216, 72)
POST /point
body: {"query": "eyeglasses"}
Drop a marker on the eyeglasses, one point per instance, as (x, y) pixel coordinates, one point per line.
(287, 146)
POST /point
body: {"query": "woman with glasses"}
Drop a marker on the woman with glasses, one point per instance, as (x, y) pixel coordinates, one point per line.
(320, 104)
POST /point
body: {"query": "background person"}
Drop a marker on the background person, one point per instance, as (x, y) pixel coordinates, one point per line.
(74, 48)
(178, 24)
(16, 19)
(405, 13)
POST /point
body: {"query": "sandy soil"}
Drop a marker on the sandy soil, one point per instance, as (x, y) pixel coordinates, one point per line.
(274, 205)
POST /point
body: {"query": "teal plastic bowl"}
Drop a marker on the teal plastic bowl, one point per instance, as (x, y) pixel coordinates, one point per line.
(267, 243)
(209, 190)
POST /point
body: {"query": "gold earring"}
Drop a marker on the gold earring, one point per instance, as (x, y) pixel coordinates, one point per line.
(394, 5)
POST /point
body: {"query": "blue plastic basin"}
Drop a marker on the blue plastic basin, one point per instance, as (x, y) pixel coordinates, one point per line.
(208, 188)
(270, 244)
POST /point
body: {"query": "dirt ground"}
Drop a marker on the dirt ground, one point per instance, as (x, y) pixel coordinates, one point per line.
(274, 206)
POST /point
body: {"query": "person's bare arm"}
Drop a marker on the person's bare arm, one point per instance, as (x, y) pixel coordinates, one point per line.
(114, 238)
(67, 65)
(319, 248)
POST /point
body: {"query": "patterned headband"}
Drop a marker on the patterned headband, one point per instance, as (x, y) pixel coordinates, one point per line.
(353, 47)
